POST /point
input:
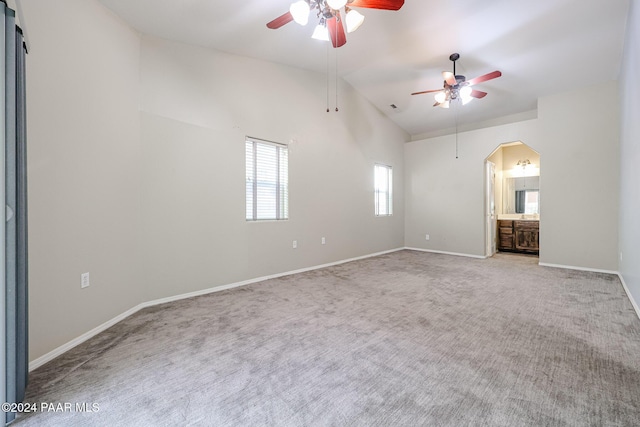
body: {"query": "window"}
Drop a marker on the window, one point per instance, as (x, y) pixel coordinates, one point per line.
(383, 190)
(527, 201)
(267, 180)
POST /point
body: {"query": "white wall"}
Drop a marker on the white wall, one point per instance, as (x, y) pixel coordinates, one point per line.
(578, 144)
(198, 105)
(136, 169)
(151, 202)
(513, 154)
(630, 155)
(84, 151)
(580, 155)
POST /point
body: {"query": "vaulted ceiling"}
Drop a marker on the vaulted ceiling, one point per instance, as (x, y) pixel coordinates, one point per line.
(541, 46)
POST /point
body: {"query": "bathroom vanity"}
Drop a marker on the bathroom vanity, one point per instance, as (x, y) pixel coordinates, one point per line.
(519, 235)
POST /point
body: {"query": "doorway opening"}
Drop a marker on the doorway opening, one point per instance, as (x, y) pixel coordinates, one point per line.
(512, 200)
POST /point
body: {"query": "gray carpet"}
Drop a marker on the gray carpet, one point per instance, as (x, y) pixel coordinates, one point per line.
(404, 339)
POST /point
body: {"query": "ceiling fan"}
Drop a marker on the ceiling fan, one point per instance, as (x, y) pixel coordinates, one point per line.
(330, 25)
(458, 87)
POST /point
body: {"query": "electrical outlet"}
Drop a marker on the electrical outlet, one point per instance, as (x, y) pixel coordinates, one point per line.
(426, 236)
(84, 280)
(295, 244)
(324, 241)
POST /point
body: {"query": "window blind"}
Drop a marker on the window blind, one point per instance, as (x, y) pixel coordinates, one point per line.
(267, 180)
(383, 178)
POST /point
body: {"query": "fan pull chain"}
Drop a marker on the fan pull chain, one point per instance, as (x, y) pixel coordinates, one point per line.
(456, 142)
(336, 56)
(327, 78)
(456, 121)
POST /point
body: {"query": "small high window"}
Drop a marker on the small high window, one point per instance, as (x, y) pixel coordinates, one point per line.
(383, 190)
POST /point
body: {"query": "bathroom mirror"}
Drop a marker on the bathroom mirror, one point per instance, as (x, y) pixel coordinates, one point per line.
(521, 195)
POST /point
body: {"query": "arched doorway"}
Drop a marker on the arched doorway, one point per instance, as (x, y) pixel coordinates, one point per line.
(512, 199)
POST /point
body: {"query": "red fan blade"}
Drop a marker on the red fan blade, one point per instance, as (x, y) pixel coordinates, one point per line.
(450, 78)
(484, 78)
(336, 31)
(280, 21)
(426, 91)
(478, 94)
(377, 4)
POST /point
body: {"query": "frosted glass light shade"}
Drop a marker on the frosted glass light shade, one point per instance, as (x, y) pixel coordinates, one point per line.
(300, 12)
(465, 94)
(354, 20)
(336, 4)
(440, 97)
(321, 33)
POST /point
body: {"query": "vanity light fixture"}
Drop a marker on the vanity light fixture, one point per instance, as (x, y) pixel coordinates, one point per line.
(524, 163)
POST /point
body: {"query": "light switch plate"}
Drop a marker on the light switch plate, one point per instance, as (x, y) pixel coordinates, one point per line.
(84, 280)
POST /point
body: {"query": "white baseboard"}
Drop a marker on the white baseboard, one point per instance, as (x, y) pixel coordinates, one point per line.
(597, 270)
(82, 338)
(36, 363)
(573, 267)
(259, 279)
(447, 253)
(633, 301)
(95, 331)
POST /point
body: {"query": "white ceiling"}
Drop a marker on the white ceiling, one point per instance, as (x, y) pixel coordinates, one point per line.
(541, 46)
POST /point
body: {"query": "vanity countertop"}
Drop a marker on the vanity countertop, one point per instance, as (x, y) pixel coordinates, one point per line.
(519, 217)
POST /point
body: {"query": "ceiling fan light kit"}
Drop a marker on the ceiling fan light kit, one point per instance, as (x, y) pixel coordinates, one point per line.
(321, 32)
(300, 12)
(458, 87)
(353, 20)
(328, 12)
(336, 4)
(465, 95)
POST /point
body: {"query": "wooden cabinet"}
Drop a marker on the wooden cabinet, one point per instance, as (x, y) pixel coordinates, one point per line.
(519, 236)
(506, 240)
(527, 235)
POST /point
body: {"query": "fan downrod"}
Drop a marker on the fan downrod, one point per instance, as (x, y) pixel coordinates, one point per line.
(453, 58)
